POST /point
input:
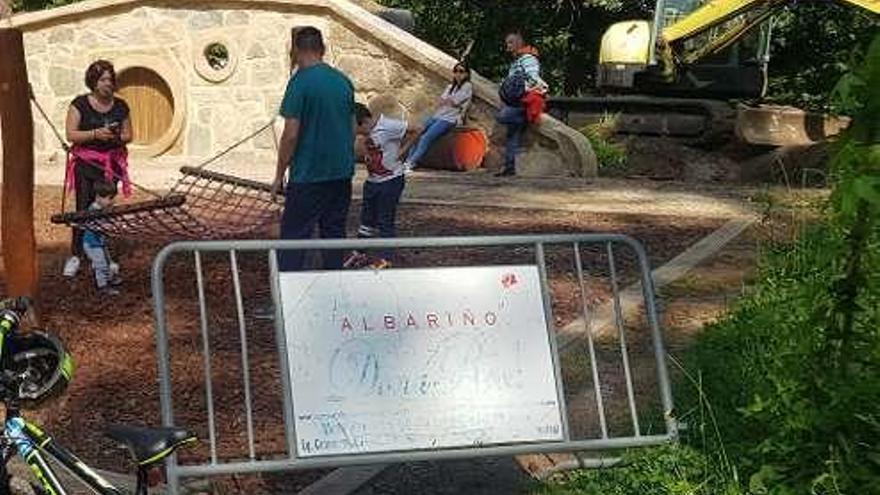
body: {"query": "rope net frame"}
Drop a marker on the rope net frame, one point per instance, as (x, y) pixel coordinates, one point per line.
(203, 204)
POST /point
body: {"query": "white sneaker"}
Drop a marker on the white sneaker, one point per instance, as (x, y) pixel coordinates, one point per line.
(71, 267)
(114, 268)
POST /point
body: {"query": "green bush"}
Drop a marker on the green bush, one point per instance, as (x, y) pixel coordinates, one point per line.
(766, 411)
(669, 470)
(789, 417)
(782, 397)
(609, 155)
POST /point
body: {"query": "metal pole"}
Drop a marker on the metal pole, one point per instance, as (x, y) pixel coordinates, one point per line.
(657, 338)
(541, 261)
(588, 328)
(624, 351)
(245, 363)
(163, 359)
(284, 364)
(206, 351)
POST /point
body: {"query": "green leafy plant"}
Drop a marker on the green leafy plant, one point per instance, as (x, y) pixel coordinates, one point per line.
(813, 45)
(782, 396)
(669, 470)
(795, 369)
(611, 156)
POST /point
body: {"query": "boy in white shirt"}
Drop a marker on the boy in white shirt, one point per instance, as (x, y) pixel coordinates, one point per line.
(380, 151)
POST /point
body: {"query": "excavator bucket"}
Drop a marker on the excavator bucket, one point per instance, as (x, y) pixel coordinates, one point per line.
(786, 126)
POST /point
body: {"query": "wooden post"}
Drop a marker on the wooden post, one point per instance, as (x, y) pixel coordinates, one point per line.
(17, 216)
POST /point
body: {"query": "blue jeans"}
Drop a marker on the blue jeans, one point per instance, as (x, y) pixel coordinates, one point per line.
(100, 264)
(434, 130)
(379, 210)
(306, 205)
(515, 120)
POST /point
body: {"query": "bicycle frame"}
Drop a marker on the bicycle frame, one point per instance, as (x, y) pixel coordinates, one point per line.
(31, 443)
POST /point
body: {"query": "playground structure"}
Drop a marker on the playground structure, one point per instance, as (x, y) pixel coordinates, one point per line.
(19, 243)
(187, 108)
(201, 75)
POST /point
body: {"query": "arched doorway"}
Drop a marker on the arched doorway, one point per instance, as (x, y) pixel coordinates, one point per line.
(151, 103)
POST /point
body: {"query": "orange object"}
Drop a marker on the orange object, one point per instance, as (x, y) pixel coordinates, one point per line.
(462, 149)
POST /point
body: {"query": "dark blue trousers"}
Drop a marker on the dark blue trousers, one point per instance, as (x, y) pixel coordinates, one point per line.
(379, 210)
(321, 204)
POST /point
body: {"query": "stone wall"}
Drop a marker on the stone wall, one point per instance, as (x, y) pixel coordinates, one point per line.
(215, 108)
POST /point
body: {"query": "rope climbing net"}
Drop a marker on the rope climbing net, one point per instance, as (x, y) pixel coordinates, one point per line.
(203, 204)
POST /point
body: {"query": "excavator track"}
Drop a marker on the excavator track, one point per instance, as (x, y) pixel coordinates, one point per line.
(699, 121)
(684, 118)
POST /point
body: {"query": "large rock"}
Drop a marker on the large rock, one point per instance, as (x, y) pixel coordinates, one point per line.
(266, 72)
(237, 18)
(540, 163)
(205, 20)
(198, 140)
(368, 73)
(65, 81)
(62, 35)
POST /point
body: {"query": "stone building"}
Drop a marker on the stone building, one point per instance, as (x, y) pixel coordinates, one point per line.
(200, 75)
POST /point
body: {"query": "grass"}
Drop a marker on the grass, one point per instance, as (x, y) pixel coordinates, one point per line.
(764, 412)
(610, 155)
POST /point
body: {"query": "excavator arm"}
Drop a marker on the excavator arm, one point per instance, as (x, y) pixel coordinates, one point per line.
(733, 18)
(715, 12)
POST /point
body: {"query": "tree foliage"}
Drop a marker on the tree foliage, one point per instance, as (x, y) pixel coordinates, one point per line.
(567, 32)
(28, 5)
(814, 43)
(781, 397)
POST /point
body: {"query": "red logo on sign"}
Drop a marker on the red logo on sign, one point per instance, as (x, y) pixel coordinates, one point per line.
(509, 280)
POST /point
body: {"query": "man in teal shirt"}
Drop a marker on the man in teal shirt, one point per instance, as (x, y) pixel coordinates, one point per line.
(316, 150)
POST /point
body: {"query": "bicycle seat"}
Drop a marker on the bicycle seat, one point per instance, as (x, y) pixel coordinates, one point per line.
(150, 445)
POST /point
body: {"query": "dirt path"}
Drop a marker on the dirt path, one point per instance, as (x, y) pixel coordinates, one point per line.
(686, 306)
(571, 194)
(665, 217)
(480, 188)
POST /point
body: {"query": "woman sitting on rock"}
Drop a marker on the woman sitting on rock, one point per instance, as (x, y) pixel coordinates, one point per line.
(451, 110)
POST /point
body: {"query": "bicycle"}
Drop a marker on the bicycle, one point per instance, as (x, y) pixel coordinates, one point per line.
(34, 368)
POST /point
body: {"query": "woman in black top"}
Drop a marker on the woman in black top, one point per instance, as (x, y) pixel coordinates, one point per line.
(99, 127)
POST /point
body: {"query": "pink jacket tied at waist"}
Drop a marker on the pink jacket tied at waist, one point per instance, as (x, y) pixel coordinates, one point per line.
(114, 162)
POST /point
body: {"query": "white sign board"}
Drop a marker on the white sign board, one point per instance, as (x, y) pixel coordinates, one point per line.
(418, 359)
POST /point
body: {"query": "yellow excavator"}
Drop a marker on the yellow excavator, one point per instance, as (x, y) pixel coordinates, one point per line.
(677, 74)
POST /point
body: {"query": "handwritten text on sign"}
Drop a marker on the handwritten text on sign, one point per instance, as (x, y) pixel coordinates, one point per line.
(417, 359)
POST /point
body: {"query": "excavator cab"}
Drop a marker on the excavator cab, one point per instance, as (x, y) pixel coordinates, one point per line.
(714, 53)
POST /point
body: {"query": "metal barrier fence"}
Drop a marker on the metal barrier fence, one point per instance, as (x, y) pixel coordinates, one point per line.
(228, 367)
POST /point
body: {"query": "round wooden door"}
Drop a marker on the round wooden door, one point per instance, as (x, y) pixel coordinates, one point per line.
(151, 103)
